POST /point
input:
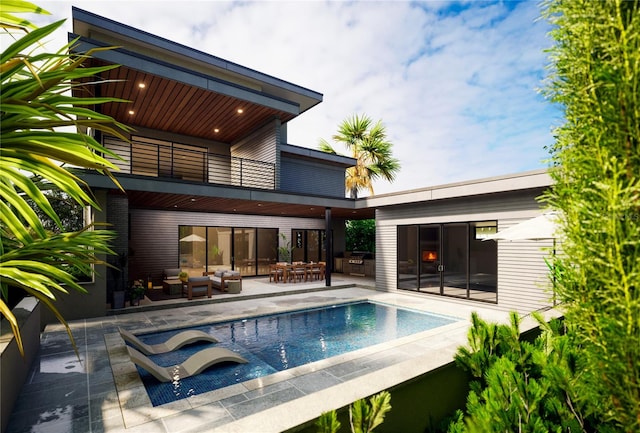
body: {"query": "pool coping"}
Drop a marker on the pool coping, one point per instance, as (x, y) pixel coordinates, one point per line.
(137, 407)
(438, 346)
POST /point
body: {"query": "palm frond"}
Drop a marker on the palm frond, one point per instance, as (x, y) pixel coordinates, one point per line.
(11, 7)
(36, 100)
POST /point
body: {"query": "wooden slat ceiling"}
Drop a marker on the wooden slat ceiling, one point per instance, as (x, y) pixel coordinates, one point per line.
(171, 106)
(168, 105)
(165, 201)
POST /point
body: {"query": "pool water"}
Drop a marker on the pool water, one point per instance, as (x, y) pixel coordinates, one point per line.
(283, 341)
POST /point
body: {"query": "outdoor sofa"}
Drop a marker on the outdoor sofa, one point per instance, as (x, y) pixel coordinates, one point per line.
(220, 279)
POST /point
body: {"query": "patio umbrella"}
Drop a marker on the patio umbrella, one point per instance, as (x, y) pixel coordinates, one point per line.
(541, 227)
(193, 238)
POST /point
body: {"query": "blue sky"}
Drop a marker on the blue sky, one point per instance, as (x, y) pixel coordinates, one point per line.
(456, 83)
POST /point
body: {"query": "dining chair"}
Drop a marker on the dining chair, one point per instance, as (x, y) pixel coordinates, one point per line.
(299, 272)
(275, 273)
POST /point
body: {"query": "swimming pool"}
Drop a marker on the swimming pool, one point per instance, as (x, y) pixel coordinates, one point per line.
(283, 341)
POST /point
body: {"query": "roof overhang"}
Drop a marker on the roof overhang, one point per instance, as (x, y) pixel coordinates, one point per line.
(179, 81)
(534, 179)
(171, 194)
(313, 154)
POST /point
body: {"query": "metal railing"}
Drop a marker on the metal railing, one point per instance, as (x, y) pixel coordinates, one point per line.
(175, 161)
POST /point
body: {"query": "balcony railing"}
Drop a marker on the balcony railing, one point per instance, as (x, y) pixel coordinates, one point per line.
(156, 159)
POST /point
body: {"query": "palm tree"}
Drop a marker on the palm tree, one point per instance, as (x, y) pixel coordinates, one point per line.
(36, 102)
(368, 144)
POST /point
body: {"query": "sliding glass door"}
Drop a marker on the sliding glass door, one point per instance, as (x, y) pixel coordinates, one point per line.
(249, 250)
(430, 277)
(448, 259)
(455, 255)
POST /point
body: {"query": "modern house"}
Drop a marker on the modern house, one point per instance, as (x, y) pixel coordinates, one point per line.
(210, 181)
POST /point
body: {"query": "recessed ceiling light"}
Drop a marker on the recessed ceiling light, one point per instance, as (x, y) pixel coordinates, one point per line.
(142, 85)
(193, 199)
(216, 130)
(240, 111)
(131, 112)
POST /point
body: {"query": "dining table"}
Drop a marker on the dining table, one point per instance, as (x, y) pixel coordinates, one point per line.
(294, 272)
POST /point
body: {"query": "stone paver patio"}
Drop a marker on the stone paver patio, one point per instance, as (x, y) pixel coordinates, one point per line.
(102, 392)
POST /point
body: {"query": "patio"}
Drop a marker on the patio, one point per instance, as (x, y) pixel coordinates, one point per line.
(96, 395)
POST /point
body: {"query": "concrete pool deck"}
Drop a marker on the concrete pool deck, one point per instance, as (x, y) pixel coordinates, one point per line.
(103, 392)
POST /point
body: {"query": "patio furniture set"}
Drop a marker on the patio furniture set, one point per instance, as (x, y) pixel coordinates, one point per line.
(223, 280)
(296, 272)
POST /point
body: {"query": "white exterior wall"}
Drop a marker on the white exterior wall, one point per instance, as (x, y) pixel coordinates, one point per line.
(522, 272)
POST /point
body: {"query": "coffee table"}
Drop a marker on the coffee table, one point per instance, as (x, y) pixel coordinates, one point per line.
(172, 287)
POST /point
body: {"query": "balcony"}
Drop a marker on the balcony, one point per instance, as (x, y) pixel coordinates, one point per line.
(162, 159)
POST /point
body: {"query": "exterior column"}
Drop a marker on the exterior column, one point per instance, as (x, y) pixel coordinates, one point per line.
(328, 246)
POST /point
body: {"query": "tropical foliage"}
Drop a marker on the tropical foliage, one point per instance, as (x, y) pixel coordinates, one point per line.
(42, 143)
(361, 235)
(524, 386)
(368, 144)
(364, 416)
(596, 78)
(584, 376)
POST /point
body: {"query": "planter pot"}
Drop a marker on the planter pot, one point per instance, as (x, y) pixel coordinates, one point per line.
(118, 299)
(234, 286)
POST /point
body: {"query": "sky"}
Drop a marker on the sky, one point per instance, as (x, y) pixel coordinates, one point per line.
(456, 84)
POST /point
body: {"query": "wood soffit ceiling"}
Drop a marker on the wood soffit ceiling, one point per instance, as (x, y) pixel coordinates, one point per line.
(171, 106)
(180, 202)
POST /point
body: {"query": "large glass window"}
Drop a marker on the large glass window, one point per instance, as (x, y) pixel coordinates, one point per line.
(308, 245)
(298, 245)
(193, 249)
(429, 258)
(267, 249)
(249, 250)
(448, 259)
(244, 250)
(219, 248)
(455, 255)
(408, 257)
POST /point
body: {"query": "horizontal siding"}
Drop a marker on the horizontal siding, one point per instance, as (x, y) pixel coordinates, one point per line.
(306, 177)
(508, 205)
(154, 243)
(523, 276)
(386, 257)
(261, 145)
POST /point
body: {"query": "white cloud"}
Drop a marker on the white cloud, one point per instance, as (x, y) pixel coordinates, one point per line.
(454, 83)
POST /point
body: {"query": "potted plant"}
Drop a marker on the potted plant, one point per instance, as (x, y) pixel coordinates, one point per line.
(284, 252)
(136, 292)
(183, 276)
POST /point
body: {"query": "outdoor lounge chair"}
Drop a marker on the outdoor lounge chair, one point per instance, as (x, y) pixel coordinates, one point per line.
(195, 364)
(197, 282)
(177, 341)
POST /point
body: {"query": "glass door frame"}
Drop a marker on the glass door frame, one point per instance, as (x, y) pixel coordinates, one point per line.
(464, 268)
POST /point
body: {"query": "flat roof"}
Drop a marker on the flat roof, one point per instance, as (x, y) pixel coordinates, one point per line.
(490, 185)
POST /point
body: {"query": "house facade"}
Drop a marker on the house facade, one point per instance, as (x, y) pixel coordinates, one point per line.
(210, 181)
(433, 241)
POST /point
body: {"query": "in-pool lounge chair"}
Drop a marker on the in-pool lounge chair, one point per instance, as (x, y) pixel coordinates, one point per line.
(177, 341)
(195, 364)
